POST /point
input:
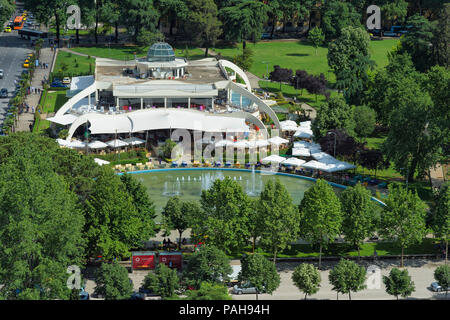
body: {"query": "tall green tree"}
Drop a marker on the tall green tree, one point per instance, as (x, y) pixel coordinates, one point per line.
(139, 15)
(260, 273)
(113, 224)
(243, 20)
(316, 37)
(224, 220)
(178, 215)
(347, 277)
(164, 281)
(399, 283)
(172, 10)
(441, 215)
(334, 114)
(110, 13)
(307, 279)
(358, 211)
(403, 219)
(320, 215)
(338, 15)
(207, 264)
(202, 24)
(112, 282)
(441, 35)
(417, 42)
(365, 120)
(40, 225)
(442, 276)
(280, 219)
(349, 57)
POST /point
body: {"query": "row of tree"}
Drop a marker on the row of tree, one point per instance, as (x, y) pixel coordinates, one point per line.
(59, 208)
(228, 219)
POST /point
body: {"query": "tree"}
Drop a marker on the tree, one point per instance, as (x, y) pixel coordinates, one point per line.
(224, 218)
(280, 219)
(316, 37)
(144, 205)
(373, 160)
(344, 145)
(307, 279)
(280, 75)
(317, 85)
(349, 57)
(403, 219)
(174, 10)
(441, 36)
(300, 80)
(441, 215)
(243, 20)
(334, 114)
(177, 215)
(202, 24)
(207, 264)
(442, 276)
(111, 14)
(358, 215)
(208, 291)
(395, 10)
(399, 283)
(168, 148)
(260, 273)
(320, 215)
(41, 222)
(113, 224)
(244, 60)
(347, 276)
(164, 281)
(112, 282)
(417, 42)
(336, 16)
(255, 226)
(139, 15)
(365, 119)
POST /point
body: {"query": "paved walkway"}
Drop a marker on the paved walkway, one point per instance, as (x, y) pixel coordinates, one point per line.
(438, 174)
(26, 119)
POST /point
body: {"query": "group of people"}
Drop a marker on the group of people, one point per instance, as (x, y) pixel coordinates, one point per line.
(168, 243)
(34, 90)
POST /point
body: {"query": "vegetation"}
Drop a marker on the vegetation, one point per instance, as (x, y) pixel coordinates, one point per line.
(112, 282)
(347, 277)
(307, 279)
(399, 283)
(163, 282)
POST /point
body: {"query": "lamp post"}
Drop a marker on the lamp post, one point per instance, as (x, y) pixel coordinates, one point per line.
(267, 68)
(335, 135)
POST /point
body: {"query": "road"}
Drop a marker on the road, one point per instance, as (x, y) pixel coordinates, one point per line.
(13, 51)
(421, 272)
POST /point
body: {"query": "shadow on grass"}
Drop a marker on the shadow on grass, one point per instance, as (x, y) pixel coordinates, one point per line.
(297, 54)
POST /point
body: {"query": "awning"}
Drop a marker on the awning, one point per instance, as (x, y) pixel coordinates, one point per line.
(293, 162)
(273, 159)
(134, 141)
(97, 145)
(64, 119)
(116, 143)
(277, 140)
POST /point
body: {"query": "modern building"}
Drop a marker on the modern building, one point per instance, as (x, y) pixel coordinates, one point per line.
(162, 92)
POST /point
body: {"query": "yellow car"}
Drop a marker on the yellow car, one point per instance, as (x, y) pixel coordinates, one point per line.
(25, 18)
(30, 55)
(7, 29)
(26, 64)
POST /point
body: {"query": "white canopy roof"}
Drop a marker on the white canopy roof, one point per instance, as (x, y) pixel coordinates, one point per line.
(288, 123)
(302, 144)
(116, 143)
(273, 159)
(134, 141)
(64, 119)
(293, 162)
(101, 162)
(304, 133)
(62, 142)
(301, 152)
(277, 140)
(76, 144)
(305, 124)
(97, 145)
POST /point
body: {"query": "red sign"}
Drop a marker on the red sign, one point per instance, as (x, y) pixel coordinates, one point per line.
(143, 260)
(172, 260)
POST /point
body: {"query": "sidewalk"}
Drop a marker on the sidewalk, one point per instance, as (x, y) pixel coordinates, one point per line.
(26, 119)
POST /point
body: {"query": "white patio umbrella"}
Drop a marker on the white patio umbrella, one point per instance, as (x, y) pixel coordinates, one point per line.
(62, 142)
(301, 152)
(261, 143)
(289, 128)
(101, 162)
(116, 143)
(304, 133)
(76, 144)
(306, 124)
(277, 140)
(242, 144)
(302, 144)
(134, 141)
(289, 123)
(97, 145)
(295, 162)
(273, 159)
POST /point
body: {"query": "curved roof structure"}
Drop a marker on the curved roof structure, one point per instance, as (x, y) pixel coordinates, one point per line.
(160, 52)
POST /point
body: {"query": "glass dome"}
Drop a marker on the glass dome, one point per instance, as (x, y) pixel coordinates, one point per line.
(160, 51)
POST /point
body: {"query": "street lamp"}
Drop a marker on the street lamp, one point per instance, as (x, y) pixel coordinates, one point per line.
(335, 135)
(267, 68)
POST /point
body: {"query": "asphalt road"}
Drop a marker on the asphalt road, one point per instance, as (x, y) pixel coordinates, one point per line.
(13, 51)
(421, 272)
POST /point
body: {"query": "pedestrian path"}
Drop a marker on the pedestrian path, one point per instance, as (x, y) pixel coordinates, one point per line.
(26, 119)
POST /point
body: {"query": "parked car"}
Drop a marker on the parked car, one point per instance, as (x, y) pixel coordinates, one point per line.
(4, 93)
(7, 29)
(436, 287)
(1, 74)
(244, 288)
(84, 295)
(137, 296)
(57, 84)
(66, 80)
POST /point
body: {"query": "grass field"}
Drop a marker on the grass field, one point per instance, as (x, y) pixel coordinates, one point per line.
(76, 64)
(51, 102)
(300, 56)
(127, 52)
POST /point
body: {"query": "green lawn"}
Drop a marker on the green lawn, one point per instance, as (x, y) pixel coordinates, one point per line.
(300, 56)
(343, 250)
(77, 65)
(127, 52)
(51, 102)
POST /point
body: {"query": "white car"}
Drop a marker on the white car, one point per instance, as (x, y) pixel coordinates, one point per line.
(436, 287)
(1, 74)
(66, 80)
